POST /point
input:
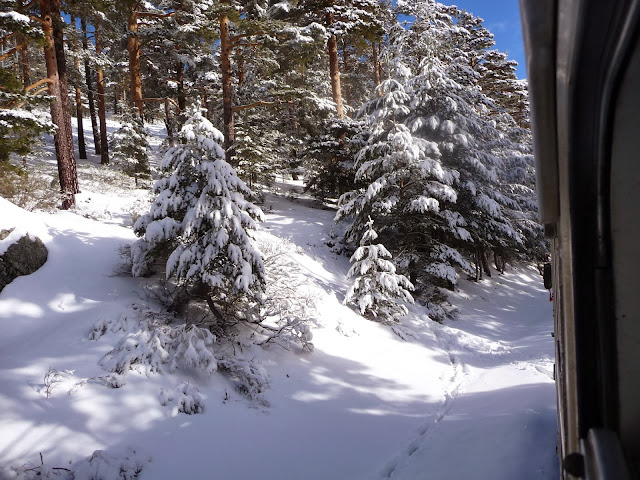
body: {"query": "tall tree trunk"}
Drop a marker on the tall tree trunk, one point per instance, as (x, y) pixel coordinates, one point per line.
(485, 263)
(377, 76)
(90, 92)
(345, 66)
(168, 122)
(334, 70)
(24, 53)
(82, 149)
(135, 71)
(102, 113)
(227, 89)
(24, 63)
(182, 101)
(63, 137)
(499, 261)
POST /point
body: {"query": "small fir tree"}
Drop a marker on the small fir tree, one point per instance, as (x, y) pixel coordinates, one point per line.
(377, 288)
(201, 221)
(130, 145)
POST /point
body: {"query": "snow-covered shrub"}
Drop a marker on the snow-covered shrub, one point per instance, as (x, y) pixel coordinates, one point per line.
(98, 179)
(248, 376)
(377, 289)
(130, 145)
(152, 345)
(29, 189)
(103, 465)
(185, 398)
(289, 306)
(199, 226)
(37, 472)
(52, 378)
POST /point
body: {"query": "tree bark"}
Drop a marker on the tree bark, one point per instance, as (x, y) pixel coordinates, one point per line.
(24, 54)
(377, 77)
(182, 100)
(90, 92)
(135, 72)
(24, 64)
(499, 261)
(345, 66)
(168, 122)
(102, 114)
(82, 149)
(485, 263)
(227, 88)
(63, 137)
(334, 70)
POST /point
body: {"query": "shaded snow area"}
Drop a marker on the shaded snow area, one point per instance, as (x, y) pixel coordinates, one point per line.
(473, 398)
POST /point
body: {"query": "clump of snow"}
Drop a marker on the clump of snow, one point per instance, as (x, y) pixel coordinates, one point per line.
(20, 223)
(15, 16)
(185, 398)
(152, 345)
(101, 465)
(249, 377)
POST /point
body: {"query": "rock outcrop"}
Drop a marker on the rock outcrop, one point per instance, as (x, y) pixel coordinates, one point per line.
(21, 258)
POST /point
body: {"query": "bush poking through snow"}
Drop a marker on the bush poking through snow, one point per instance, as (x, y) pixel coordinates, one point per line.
(377, 288)
(249, 377)
(29, 189)
(289, 306)
(151, 345)
(185, 398)
(101, 465)
(52, 378)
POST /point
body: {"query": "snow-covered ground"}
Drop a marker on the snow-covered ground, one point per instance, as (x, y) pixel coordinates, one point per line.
(473, 398)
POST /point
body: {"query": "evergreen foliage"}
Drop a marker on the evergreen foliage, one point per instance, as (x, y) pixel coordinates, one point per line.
(434, 145)
(130, 145)
(445, 173)
(19, 126)
(201, 219)
(377, 290)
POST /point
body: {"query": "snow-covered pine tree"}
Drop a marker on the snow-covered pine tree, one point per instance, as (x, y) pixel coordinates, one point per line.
(378, 291)
(130, 145)
(449, 107)
(409, 193)
(200, 222)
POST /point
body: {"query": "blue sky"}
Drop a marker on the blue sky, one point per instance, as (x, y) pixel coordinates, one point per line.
(502, 18)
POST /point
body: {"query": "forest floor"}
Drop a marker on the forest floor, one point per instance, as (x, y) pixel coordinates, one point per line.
(470, 398)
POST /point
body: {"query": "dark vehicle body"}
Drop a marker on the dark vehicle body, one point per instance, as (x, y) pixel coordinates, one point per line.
(583, 59)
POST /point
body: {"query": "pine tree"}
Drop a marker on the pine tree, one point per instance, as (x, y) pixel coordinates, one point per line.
(408, 192)
(436, 167)
(130, 145)
(377, 290)
(202, 221)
